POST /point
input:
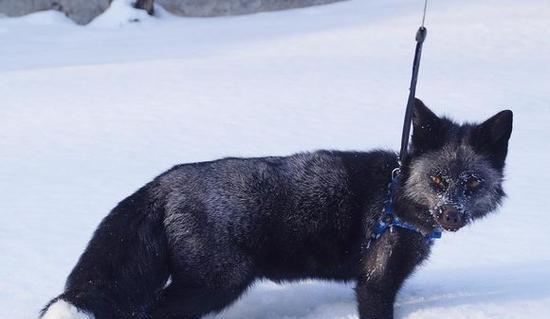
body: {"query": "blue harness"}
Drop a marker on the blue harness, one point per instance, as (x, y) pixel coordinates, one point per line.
(388, 220)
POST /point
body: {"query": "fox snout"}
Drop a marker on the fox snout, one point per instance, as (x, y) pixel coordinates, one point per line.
(450, 218)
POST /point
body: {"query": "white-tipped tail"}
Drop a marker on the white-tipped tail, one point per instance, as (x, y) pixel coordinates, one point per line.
(64, 310)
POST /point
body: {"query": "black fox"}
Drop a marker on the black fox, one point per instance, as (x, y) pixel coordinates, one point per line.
(194, 239)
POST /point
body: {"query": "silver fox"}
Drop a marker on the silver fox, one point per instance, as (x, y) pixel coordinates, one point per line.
(194, 239)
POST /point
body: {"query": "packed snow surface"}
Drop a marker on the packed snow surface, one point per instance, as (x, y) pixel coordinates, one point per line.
(89, 114)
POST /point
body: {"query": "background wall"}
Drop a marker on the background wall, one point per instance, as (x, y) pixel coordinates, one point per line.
(230, 7)
(84, 11)
(81, 11)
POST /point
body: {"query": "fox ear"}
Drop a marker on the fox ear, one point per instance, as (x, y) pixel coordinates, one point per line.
(428, 129)
(490, 138)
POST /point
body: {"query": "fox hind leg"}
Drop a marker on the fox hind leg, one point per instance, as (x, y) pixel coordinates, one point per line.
(196, 291)
(179, 302)
(123, 268)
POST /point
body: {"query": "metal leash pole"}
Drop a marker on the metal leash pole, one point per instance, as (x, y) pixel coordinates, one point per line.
(420, 37)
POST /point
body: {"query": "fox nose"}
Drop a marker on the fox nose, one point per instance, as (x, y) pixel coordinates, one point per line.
(450, 218)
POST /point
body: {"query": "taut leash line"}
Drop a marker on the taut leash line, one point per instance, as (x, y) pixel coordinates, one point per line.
(420, 37)
(388, 220)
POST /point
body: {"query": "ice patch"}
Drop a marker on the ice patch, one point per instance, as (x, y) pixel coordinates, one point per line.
(64, 310)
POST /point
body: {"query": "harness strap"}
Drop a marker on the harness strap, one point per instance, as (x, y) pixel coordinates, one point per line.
(388, 219)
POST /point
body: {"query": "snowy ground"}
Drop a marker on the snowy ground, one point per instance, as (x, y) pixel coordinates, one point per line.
(89, 114)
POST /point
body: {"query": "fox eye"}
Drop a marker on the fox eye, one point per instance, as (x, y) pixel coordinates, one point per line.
(472, 184)
(439, 182)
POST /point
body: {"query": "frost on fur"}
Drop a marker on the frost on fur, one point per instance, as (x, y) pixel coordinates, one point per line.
(64, 310)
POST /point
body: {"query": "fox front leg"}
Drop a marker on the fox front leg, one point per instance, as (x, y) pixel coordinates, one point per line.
(386, 265)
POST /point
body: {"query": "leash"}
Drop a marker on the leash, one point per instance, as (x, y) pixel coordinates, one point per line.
(420, 37)
(389, 220)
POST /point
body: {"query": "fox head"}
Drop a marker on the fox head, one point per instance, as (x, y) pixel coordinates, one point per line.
(454, 173)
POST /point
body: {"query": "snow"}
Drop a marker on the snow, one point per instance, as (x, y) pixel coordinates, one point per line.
(121, 13)
(64, 310)
(89, 114)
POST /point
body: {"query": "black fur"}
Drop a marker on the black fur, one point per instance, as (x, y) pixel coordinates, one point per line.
(215, 227)
(491, 137)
